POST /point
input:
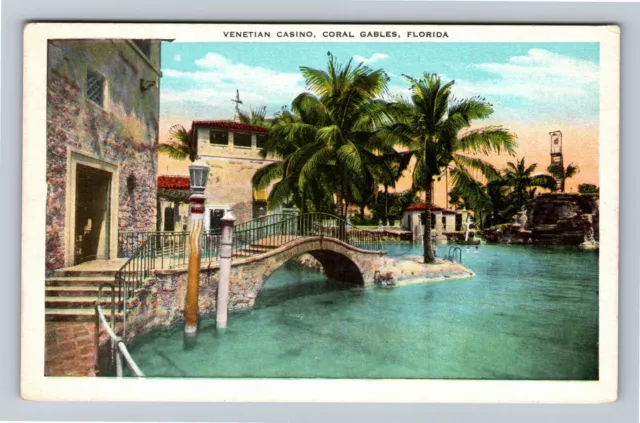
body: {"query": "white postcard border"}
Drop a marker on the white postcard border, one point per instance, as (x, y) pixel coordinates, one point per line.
(35, 386)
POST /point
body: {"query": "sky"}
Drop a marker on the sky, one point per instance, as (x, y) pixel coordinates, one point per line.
(535, 88)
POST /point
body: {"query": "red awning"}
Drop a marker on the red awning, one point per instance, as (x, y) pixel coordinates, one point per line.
(173, 182)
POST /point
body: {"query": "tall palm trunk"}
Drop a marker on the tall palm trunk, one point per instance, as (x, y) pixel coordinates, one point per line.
(304, 207)
(426, 239)
(386, 204)
(341, 208)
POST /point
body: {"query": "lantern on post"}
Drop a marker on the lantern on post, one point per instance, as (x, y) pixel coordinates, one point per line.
(198, 175)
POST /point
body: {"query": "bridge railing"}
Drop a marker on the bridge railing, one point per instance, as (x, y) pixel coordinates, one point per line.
(254, 238)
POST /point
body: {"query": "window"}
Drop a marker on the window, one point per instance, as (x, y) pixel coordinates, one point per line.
(169, 219)
(218, 137)
(242, 139)
(261, 140)
(215, 216)
(144, 46)
(95, 88)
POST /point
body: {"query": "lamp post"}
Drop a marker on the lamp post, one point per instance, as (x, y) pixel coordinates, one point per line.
(198, 174)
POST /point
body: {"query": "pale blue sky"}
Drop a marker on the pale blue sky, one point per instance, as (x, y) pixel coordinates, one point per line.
(527, 82)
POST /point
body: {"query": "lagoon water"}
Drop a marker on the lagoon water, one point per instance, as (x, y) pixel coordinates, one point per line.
(529, 313)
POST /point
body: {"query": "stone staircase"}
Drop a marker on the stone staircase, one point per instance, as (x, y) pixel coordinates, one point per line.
(71, 293)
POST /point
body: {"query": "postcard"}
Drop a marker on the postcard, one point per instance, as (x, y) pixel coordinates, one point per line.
(320, 212)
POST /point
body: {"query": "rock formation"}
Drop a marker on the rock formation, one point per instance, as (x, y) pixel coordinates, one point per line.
(553, 219)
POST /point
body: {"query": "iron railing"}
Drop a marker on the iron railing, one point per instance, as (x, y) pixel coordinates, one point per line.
(132, 276)
(210, 246)
(253, 238)
(130, 241)
(168, 247)
(118, 349)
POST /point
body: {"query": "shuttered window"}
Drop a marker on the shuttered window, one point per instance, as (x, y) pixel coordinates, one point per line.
(95, 88)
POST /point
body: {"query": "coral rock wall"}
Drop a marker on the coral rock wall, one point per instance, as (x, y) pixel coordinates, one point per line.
(123, 132)
(552, 219)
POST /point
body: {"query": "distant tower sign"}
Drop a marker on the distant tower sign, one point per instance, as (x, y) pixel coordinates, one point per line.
(556, 153)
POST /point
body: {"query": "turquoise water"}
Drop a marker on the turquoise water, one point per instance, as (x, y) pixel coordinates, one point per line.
(529, 313)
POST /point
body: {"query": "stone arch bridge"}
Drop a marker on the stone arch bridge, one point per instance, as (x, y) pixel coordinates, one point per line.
(340, 261)
(260, 247)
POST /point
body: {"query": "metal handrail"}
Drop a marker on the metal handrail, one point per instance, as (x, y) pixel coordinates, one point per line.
(131, 276)
(118, 347)
(253, 239)
(454, 255)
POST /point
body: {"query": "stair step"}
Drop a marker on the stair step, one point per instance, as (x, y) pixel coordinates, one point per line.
(74, 314)
(80, 281)
(76, 291)
(74, 302)
(84, 273)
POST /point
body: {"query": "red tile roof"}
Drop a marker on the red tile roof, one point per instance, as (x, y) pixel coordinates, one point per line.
(229, 124)
(173, 182)
(434, 208)
(422, 207)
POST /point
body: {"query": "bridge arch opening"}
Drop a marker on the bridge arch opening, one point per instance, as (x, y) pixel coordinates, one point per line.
(311, 273)
(339, 267)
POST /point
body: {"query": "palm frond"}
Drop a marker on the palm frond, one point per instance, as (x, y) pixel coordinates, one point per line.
(486, 168)
(174, 150)
(488, 140)
(267, 174)
(544, 181)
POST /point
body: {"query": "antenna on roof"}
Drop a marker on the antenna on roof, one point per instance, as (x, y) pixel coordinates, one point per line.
(237, 101)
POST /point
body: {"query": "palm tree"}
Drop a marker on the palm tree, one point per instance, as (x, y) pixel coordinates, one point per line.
(284, 143)
(398, 162)
(562, 174)
(255, 117)
(588, 189)
(331, 131)
(429, 126)
(522, 183)
(181, 146)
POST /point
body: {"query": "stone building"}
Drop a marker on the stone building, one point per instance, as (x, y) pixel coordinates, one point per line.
(102, 128)
(441, 219)
(444, 223)
(173, 202)
(231, 149)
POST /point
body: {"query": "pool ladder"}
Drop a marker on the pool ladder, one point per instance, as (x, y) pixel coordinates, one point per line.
(454, 255)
